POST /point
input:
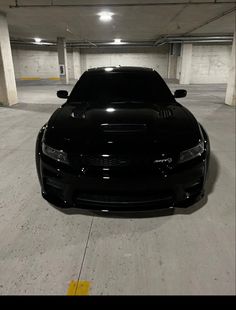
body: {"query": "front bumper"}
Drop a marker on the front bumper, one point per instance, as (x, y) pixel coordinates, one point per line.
(152, 191)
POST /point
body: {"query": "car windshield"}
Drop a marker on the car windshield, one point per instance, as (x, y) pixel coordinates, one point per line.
(121, 87)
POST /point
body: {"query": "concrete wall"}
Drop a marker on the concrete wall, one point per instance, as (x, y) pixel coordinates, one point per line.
(210, 63)
(43, 62)
(35, 63)
(156, 58)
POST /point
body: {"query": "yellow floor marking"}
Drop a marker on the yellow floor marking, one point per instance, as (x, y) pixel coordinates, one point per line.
(72, 288)
(54, 78)
(34, 78)
(78, 288)
(30, 78)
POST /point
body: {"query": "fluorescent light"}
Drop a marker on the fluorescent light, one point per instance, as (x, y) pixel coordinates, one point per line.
(37, 40)
(117, 41)
(105, 16)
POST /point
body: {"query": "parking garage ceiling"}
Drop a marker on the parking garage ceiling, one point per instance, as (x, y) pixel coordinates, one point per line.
(135, 20)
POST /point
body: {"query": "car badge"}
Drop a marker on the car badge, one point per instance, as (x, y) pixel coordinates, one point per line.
(163, 160)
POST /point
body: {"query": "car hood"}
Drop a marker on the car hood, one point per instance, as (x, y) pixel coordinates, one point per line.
(119, 129)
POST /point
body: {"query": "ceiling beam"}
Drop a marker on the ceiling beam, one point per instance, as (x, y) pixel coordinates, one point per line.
(162, 39)
(211, 20)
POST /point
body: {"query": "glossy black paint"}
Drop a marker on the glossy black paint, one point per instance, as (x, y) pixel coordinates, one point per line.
(62, 94)
(180, 93)
(122, 156)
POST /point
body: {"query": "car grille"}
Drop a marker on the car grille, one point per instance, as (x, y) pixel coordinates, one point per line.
(118, 161)
(99, 161)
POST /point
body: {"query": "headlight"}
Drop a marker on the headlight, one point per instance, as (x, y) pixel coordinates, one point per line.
(58, 155)
(192, 153)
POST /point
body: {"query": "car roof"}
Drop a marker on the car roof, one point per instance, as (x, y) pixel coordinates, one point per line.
(121, 69)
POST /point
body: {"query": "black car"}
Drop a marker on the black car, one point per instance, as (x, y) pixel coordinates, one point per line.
(121, 141)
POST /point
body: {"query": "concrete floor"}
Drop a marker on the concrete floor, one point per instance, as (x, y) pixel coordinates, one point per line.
(44, 249)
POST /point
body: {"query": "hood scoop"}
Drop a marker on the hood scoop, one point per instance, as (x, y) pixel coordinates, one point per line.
(123, 128)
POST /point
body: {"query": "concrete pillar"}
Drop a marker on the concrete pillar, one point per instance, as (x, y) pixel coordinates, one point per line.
(178, 67)
(76, 64)
(174, 52)
(230, 97)
(62, 59)
(8, 93)
(186, 62)
(172, 66)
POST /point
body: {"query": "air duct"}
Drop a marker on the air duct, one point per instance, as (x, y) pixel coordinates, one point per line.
(137, 4)
(143, 43)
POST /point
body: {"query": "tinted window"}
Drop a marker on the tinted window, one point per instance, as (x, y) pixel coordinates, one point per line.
(121, 86)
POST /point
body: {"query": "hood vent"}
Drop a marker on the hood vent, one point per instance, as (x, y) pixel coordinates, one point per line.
(124, 128)
(164, 114)
(78, 114)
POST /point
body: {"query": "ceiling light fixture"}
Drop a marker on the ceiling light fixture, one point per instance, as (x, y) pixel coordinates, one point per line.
(110, 110)
(37, 40)
(105, 16)
(117, 41)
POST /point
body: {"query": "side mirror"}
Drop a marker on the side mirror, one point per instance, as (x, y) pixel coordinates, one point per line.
(180, 93)
(62, 94)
